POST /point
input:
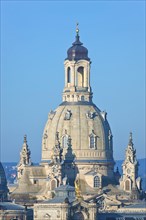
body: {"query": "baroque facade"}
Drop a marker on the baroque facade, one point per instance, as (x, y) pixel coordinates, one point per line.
(75, 178)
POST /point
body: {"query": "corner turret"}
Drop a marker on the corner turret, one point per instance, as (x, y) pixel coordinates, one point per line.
(130, 182)
(24, 158)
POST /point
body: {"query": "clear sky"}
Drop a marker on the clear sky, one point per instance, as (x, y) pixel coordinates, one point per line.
(35, 36)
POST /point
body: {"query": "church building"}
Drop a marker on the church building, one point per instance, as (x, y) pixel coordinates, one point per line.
(75, 178)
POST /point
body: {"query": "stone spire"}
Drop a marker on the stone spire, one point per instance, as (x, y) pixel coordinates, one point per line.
(129, 180)
(25, 153)
(24, 158)
(56, 161)
(130, 151)
(69, 156)
(130, 140)
(57, 151)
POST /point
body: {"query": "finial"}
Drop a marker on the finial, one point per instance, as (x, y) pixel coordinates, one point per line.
(77, 28)
(130, 139)
(25, 138)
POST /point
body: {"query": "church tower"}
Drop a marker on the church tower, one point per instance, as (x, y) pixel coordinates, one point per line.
(130, 182)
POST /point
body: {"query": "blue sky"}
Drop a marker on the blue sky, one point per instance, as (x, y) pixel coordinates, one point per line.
(35, 36)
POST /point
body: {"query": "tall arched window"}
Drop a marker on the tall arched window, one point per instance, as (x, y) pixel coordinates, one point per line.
(127, 185)
(81, 76)
(68, 75)
(92, 144)
(65, 141)
(97, 181)
(92, 140)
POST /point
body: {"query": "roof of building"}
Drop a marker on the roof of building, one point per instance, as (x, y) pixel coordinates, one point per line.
(79, 115)
(59, 199)
(65, 188)
(139, 207)
(140, 204)
(56, 199)
(10, 206)
(91, 173)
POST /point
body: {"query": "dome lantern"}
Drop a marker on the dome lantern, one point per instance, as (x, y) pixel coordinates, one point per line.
(77, 73)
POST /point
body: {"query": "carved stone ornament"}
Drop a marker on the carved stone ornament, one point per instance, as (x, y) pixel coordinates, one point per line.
(67, 115)
(104, 114)
(90, 115)
(45, 136)
(96, 167)
(51, 114)
(110, 137)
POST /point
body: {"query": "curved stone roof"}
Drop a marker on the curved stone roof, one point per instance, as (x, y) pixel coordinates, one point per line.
(85, 120)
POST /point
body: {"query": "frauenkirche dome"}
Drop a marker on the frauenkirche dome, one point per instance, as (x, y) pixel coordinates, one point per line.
(77, 121)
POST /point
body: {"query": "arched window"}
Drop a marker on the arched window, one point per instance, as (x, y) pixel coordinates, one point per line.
(127, 185)
(97, 181)
(92, 142)
(68, 75)
(65, 141)
(81, 76)
(92, 139)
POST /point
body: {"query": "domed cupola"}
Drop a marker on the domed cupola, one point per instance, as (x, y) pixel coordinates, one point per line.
(77, 73)
(83, 130)
(77, 51)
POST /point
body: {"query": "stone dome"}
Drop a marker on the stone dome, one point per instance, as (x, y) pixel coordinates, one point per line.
(88, 128)
(77, 128)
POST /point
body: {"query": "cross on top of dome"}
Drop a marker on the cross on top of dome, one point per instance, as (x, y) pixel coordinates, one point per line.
(77, 29)
(77, 51)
